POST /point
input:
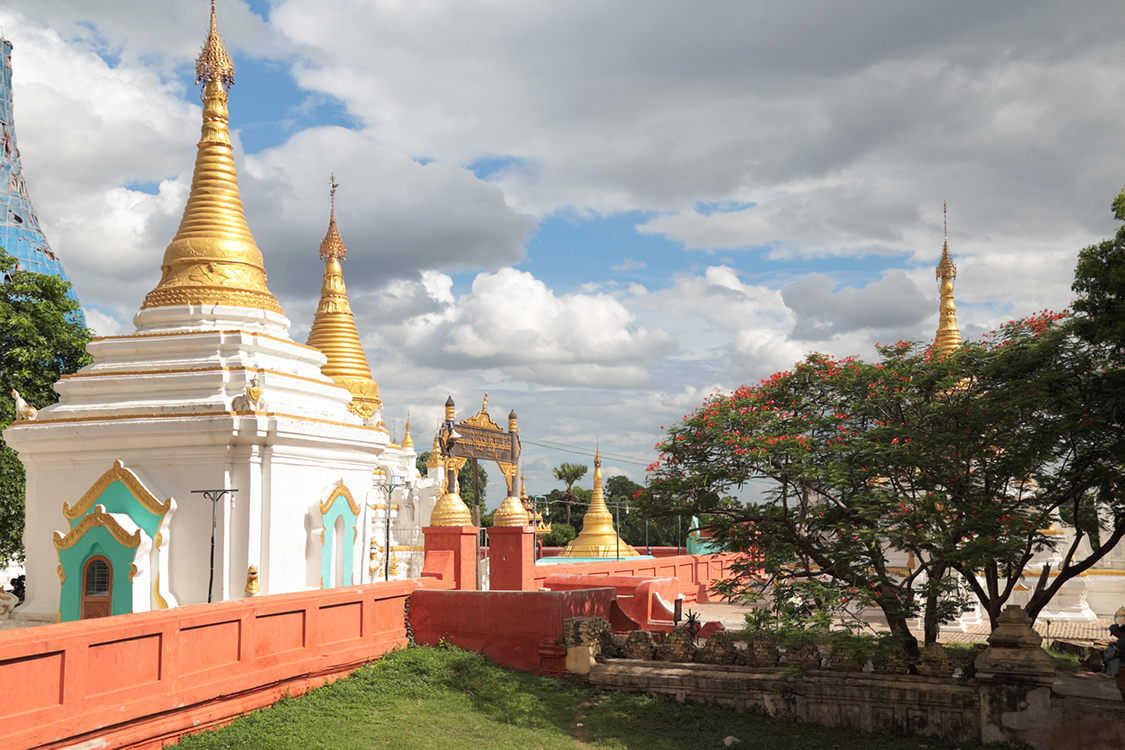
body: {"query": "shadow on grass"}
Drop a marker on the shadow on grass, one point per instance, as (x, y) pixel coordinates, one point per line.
(444, 697)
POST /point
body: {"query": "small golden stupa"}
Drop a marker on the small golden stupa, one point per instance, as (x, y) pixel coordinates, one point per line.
(598, 537)
(333, 330)
(213, 259)
(511, 511)
(948, 336)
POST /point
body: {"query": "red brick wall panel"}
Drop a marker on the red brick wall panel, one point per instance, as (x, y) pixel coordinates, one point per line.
(137, 680)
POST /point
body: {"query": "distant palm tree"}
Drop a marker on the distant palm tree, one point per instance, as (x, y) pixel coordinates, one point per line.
(569, 474)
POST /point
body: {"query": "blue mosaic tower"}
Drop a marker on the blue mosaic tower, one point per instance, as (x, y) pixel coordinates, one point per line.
(20, 234)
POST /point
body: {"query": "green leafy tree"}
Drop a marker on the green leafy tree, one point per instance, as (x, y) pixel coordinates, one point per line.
(41, 339)
(636, 525)
(1099, 281)
(959, 466)
(561, 535)
(568, 474)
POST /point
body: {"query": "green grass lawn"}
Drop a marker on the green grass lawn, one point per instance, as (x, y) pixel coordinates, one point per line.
(445, 698)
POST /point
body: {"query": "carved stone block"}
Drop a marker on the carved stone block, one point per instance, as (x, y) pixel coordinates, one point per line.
(719, 649)
(678, 646)
(762, 651)
(935, 662)
(640, 645)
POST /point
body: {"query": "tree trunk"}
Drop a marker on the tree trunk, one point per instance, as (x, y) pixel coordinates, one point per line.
(931, 626)
(899, 625)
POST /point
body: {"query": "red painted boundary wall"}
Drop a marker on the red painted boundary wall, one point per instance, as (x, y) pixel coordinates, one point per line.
(694, 573)
(138, 680)
(519, 629)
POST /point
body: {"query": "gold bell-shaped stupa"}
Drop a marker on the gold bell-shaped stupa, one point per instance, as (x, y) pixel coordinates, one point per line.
(333, 330)
(213, 259)
(948, 335)
(598, 537)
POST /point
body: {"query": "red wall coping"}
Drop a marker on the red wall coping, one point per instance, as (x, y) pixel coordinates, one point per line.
(694, 573)
(135, 680)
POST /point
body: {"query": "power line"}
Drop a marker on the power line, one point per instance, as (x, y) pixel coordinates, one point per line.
(582, 451)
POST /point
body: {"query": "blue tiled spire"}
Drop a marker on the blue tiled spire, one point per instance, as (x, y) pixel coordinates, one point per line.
(20, 234)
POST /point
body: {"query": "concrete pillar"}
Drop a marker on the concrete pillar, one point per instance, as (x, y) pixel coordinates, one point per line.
(462, 542)
(511, 558)
(1015, 676)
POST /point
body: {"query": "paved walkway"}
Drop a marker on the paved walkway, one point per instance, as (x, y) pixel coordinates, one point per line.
(733, 617)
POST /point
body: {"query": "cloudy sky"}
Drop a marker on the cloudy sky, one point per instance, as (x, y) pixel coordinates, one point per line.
(598, 212)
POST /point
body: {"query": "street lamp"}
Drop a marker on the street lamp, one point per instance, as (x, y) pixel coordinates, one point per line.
(617, 508)
(214, 496)
(534, 515)
(390, 485)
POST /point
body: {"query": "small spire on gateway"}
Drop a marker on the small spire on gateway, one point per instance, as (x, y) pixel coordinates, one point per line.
(213, 260)
(948, 335)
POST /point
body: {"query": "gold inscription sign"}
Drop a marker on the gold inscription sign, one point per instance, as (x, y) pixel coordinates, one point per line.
(486, 444)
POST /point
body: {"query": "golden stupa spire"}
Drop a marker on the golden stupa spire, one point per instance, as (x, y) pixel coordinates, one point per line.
(598, 537)
(948, 336)
(213, 259)
(435, 454)
(407, 440)
(333, 330)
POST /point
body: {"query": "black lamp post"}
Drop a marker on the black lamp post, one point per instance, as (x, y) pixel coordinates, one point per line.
(214, 496)
(390, 486)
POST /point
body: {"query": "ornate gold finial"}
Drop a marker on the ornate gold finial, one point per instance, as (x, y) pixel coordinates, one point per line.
(213, 259)
(252, 580)
(598, 537)
(948, 336)
(332, 246)
(333, 330)
(407, 440)
(513, 422)
(213, 61)
(450, 409)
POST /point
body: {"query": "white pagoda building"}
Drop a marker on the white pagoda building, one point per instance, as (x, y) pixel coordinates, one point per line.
(210, 393)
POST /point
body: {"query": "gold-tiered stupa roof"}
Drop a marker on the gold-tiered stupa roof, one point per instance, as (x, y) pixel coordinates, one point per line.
(213, 260)
(598, 537)
(333, 330)
(948, 335)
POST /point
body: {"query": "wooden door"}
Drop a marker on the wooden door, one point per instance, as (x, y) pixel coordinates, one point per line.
(97, 588)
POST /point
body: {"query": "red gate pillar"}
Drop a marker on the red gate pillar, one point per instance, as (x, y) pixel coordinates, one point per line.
(511, 558)
(462, 542)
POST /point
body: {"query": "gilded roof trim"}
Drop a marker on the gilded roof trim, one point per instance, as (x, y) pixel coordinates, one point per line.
(118, 473)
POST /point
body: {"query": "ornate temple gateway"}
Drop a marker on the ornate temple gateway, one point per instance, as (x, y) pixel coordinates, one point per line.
(209, 393)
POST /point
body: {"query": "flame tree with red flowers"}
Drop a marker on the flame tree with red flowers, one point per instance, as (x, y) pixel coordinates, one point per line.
(913, 482)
